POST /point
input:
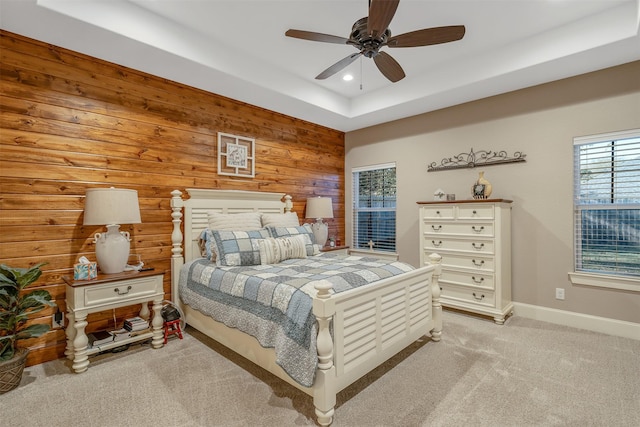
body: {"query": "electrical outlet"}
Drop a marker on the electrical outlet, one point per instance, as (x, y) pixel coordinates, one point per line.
(560, 293)
(57, 320)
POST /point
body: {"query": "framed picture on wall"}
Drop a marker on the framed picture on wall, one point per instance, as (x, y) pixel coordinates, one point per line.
(236, 155)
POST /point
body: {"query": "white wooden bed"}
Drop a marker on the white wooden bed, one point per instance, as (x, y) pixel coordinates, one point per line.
(370, 324)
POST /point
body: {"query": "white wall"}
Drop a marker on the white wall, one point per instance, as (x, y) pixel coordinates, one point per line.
(541, 122)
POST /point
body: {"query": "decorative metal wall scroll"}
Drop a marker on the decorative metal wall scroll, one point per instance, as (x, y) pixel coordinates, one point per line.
(473, 159)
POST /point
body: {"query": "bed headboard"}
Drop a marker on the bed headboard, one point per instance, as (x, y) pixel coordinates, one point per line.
(193, 212)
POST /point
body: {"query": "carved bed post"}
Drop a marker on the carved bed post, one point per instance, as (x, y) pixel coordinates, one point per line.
(324, 396)
(288, 204)
(177, 259)
(436, 332)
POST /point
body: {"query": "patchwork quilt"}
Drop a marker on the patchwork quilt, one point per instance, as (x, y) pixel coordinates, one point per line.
(273, 303)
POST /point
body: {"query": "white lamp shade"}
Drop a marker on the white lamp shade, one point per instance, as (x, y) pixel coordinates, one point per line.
(106, 206)
(319, 207)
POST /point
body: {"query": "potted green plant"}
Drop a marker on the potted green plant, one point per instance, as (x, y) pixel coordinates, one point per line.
(16, 305)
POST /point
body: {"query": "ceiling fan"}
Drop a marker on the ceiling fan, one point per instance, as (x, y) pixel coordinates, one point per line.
(371, 33)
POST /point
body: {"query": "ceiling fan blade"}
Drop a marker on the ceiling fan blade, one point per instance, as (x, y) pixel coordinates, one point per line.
(337, 66)
(428, 36)
(380, 15)
(316, 37)
(389, 67)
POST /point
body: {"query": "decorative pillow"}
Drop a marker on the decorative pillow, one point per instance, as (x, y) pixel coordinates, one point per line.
(305, 230)
(205, 242)
(276, 249)
(234, 222)
(238, 247)
(288, 219)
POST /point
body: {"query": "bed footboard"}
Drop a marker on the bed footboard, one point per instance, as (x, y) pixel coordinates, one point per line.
(370, 325)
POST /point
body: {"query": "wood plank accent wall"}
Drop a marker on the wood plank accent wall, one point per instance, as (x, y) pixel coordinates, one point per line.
(71, 122)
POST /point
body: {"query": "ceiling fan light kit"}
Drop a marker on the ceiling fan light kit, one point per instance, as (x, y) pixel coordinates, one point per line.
(371, 33)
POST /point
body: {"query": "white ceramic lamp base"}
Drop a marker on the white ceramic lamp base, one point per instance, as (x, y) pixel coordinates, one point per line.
(320, 232)
(112, 249)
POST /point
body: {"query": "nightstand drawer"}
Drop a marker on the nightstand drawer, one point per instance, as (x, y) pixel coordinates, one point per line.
(122, 290)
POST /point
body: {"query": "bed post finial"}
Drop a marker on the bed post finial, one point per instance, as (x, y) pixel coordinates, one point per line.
(288, 204)
(436, 261)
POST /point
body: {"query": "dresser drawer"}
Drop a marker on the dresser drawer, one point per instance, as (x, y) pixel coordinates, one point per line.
(123, 290)
(438, 212)
(482, 297)
(477, 246)
(474, 279)
(478, 263)
(460, 228)
(475, 212)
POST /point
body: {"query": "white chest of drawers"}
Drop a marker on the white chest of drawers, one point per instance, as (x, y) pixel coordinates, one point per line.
(474, 239)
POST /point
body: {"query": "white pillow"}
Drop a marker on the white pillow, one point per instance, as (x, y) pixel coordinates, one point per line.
(288, 219)
(274, 250)
(244, 221)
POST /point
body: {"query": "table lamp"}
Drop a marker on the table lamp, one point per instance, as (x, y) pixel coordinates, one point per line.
(319, 208)
(111, 207)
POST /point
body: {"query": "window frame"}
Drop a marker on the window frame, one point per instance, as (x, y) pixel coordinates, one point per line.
(357, 209)
(591, 277)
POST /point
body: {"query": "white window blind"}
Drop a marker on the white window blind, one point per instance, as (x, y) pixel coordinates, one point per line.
(374, 208)
(607, 203)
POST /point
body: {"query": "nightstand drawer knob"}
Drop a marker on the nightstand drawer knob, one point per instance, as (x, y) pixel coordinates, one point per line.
(117, 290)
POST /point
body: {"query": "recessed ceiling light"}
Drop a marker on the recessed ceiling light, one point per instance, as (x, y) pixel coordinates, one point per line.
(347, 77)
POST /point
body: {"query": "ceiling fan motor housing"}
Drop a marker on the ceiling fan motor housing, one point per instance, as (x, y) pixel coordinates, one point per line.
(363, 41)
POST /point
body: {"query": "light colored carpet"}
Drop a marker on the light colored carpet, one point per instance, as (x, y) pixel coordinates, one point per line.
(525, 373)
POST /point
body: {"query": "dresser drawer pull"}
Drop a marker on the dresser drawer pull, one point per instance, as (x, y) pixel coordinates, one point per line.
(477, 247)
(474, 212)
(477, 281)
(477, 230)
(437, 245)
(437, 212)
(479, 298)
(117, 290)
(478, 264)
(436, 228)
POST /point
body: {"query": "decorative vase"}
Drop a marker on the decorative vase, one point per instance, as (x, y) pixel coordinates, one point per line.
(481, 188)
(11, 370)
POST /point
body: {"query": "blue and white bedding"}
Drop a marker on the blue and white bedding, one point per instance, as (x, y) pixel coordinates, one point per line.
(273, 303)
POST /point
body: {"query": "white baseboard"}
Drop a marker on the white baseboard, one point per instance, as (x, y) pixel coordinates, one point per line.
(604, 325)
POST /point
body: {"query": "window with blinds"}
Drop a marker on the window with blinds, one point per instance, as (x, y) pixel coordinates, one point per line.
(607, 203)
(374, 208)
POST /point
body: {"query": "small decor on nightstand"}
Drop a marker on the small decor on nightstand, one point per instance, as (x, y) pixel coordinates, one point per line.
(481, 188)
(439, 195)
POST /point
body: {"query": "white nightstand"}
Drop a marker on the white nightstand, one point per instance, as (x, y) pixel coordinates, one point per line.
(106, 292)
(339, 250)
